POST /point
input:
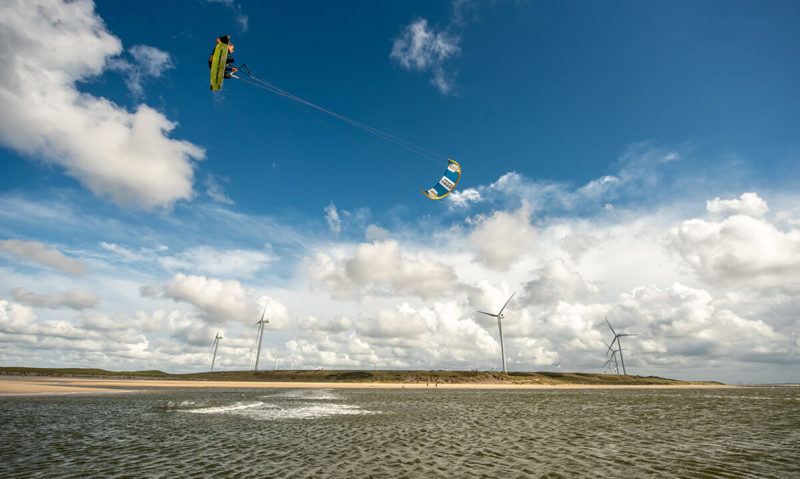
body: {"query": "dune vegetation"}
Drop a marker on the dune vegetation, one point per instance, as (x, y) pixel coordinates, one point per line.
(356, 376)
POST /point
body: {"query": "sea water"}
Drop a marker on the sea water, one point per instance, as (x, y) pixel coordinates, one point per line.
(298, 433)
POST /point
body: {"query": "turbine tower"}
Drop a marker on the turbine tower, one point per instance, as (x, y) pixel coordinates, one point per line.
(216, 345)
(619, 346)
(499, 317)
(260, 324)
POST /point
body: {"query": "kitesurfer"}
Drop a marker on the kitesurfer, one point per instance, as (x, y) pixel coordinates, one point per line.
(229, 68)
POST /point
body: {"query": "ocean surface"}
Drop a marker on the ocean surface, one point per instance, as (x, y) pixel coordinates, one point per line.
(299, 433)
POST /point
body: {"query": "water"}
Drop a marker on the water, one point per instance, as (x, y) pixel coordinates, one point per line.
(302, 433)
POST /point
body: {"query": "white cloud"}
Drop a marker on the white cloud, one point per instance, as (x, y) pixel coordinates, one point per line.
(220, 302)
(230, 263)
(333, 219)
(72, 298)
(381, 268)
(422, 48)
(40, 253)
(555, 282)
(501, 239)
(215, 192)
(14, 317)
(747, 204)
(122, 156)
(148, 62)
(687, 324)
(742, 250)
(375, 232)
(461, 199)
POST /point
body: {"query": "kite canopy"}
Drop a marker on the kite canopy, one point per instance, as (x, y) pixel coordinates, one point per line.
(447, 183)
(219, 60)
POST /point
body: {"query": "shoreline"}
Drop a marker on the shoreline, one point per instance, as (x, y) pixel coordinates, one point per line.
(26, 386)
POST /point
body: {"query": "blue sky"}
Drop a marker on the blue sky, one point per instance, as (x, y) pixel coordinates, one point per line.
(630, 160)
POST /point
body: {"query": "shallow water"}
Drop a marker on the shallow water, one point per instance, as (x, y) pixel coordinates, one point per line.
(404, 433)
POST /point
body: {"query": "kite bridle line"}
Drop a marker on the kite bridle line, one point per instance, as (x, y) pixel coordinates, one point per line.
(265, 85)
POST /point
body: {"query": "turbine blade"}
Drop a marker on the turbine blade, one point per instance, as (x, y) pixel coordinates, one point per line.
(609, 325)
(504, 306)
(488, 314)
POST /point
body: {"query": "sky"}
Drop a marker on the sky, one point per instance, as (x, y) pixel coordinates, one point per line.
(622, 161)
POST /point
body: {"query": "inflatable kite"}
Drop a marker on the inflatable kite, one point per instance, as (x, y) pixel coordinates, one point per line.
(448, 182)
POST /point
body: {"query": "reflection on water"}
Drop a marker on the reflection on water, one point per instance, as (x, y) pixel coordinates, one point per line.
(404, 433)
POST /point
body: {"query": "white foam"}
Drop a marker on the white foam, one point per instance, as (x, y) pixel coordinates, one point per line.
(268, 411)
(232, 408)
(309, 395)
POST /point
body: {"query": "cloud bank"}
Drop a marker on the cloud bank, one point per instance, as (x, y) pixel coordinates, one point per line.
(125, 157)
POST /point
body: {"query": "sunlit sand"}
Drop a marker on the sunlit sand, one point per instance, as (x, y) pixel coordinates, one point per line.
(45, 385)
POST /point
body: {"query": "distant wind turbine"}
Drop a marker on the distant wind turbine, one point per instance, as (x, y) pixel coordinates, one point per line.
(260, 324)
(499, 317)
(612, 360)
(216, 345)
(619, 346)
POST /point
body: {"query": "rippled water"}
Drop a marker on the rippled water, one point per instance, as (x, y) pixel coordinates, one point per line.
(404, 433)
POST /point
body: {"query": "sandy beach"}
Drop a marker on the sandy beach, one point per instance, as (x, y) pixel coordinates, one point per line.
(45, 385)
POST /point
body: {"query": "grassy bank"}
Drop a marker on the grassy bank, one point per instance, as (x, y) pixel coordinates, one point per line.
(333, 376)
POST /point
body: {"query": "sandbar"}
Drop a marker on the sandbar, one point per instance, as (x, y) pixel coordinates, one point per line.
(47, 385)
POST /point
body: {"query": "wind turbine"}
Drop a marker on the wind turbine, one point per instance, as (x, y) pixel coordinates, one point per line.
(260, 324)
(499, 317)
(619, 346)
(612, 360)
(216, 345)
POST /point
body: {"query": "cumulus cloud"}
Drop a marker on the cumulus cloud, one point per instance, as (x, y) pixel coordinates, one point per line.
(14, 317)
(686, 323)
(125, 157)
(501, 238)
(72, 298)
(461, 199)
(740, 249)
(556, 282)
(381, 268)
(40, 253)
(747, 204)
(220, 302)
(375, 232)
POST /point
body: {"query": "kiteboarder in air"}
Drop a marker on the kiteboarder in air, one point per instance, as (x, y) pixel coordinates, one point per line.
(221, 62)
